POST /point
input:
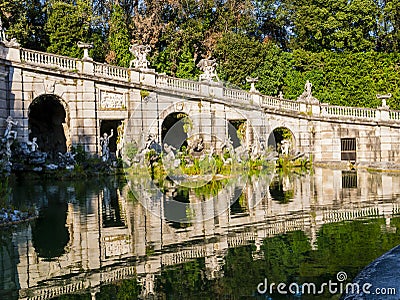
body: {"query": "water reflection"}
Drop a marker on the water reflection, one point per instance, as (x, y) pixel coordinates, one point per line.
(91, 239)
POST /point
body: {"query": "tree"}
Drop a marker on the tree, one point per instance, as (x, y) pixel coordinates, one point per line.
(274, 22)
(67, 24)
(339, 25)
(118, 39)
(24, 20)
(389, 38)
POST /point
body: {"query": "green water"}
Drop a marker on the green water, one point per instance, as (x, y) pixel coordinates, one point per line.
(96, 240)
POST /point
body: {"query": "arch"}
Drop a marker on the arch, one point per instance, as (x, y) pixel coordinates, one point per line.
(174, 130)
(278, 134)
(48, 121)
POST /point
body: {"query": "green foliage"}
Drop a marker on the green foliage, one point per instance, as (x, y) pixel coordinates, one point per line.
(130, 150)
(238, 57)
(118, 38)
(80, 153)
(334, 24)
(123, 290)
(351, 79)
(67, 24)
(25, 21)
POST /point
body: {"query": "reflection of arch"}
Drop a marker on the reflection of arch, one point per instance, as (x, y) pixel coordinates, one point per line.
(49, 121)
(50, 236)
(174, 129)
(278, 134)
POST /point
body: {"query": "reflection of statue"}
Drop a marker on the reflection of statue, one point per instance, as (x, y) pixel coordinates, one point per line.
(10, 133)
(140, 52)
(208, 67)
(104, 142)
(120, 139)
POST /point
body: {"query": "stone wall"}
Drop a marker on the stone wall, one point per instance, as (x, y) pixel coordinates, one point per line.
(91, 93)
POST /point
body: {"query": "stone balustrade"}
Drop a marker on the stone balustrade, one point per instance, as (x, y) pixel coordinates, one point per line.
(348, 112)
(394, 115)
(236, 94)
(111, 72)
(48, 60)
(333, 216)
(280, 104)
(203, 88)
(178, 84)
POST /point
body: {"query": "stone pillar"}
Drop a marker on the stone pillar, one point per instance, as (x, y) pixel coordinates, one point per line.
(216, 90)
(148, 77)
(303, 107)
(87, 67)
(13, 54)
(256, 98)
(315, 109)
(383, 114)
(204, 89)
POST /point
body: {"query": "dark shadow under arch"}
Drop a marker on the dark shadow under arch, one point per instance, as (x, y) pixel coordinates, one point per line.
(173, 131)
(278, 135)
(47, 122)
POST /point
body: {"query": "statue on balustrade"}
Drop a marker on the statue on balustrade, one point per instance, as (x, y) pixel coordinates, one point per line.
(307, 96)
(140, 52)
(208, 67)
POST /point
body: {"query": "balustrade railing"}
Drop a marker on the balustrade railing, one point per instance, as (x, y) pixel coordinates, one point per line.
(57, 62)
(278, 103)
(237, 94)
(348, 112)
(112, 72)
(48, 60)
(394, 115)
(177, 84)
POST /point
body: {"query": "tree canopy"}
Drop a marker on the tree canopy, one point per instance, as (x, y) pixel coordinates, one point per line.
(348, 49)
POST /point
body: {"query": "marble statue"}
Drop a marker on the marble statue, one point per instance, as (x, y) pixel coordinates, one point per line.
(120, 139)
(307, 88)
(169, 158)
(307, 96)
(140, 52)
(9, 133)
(104, 142)
(285, 146)
(33, 145)
(208, 67)
(198, 145)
